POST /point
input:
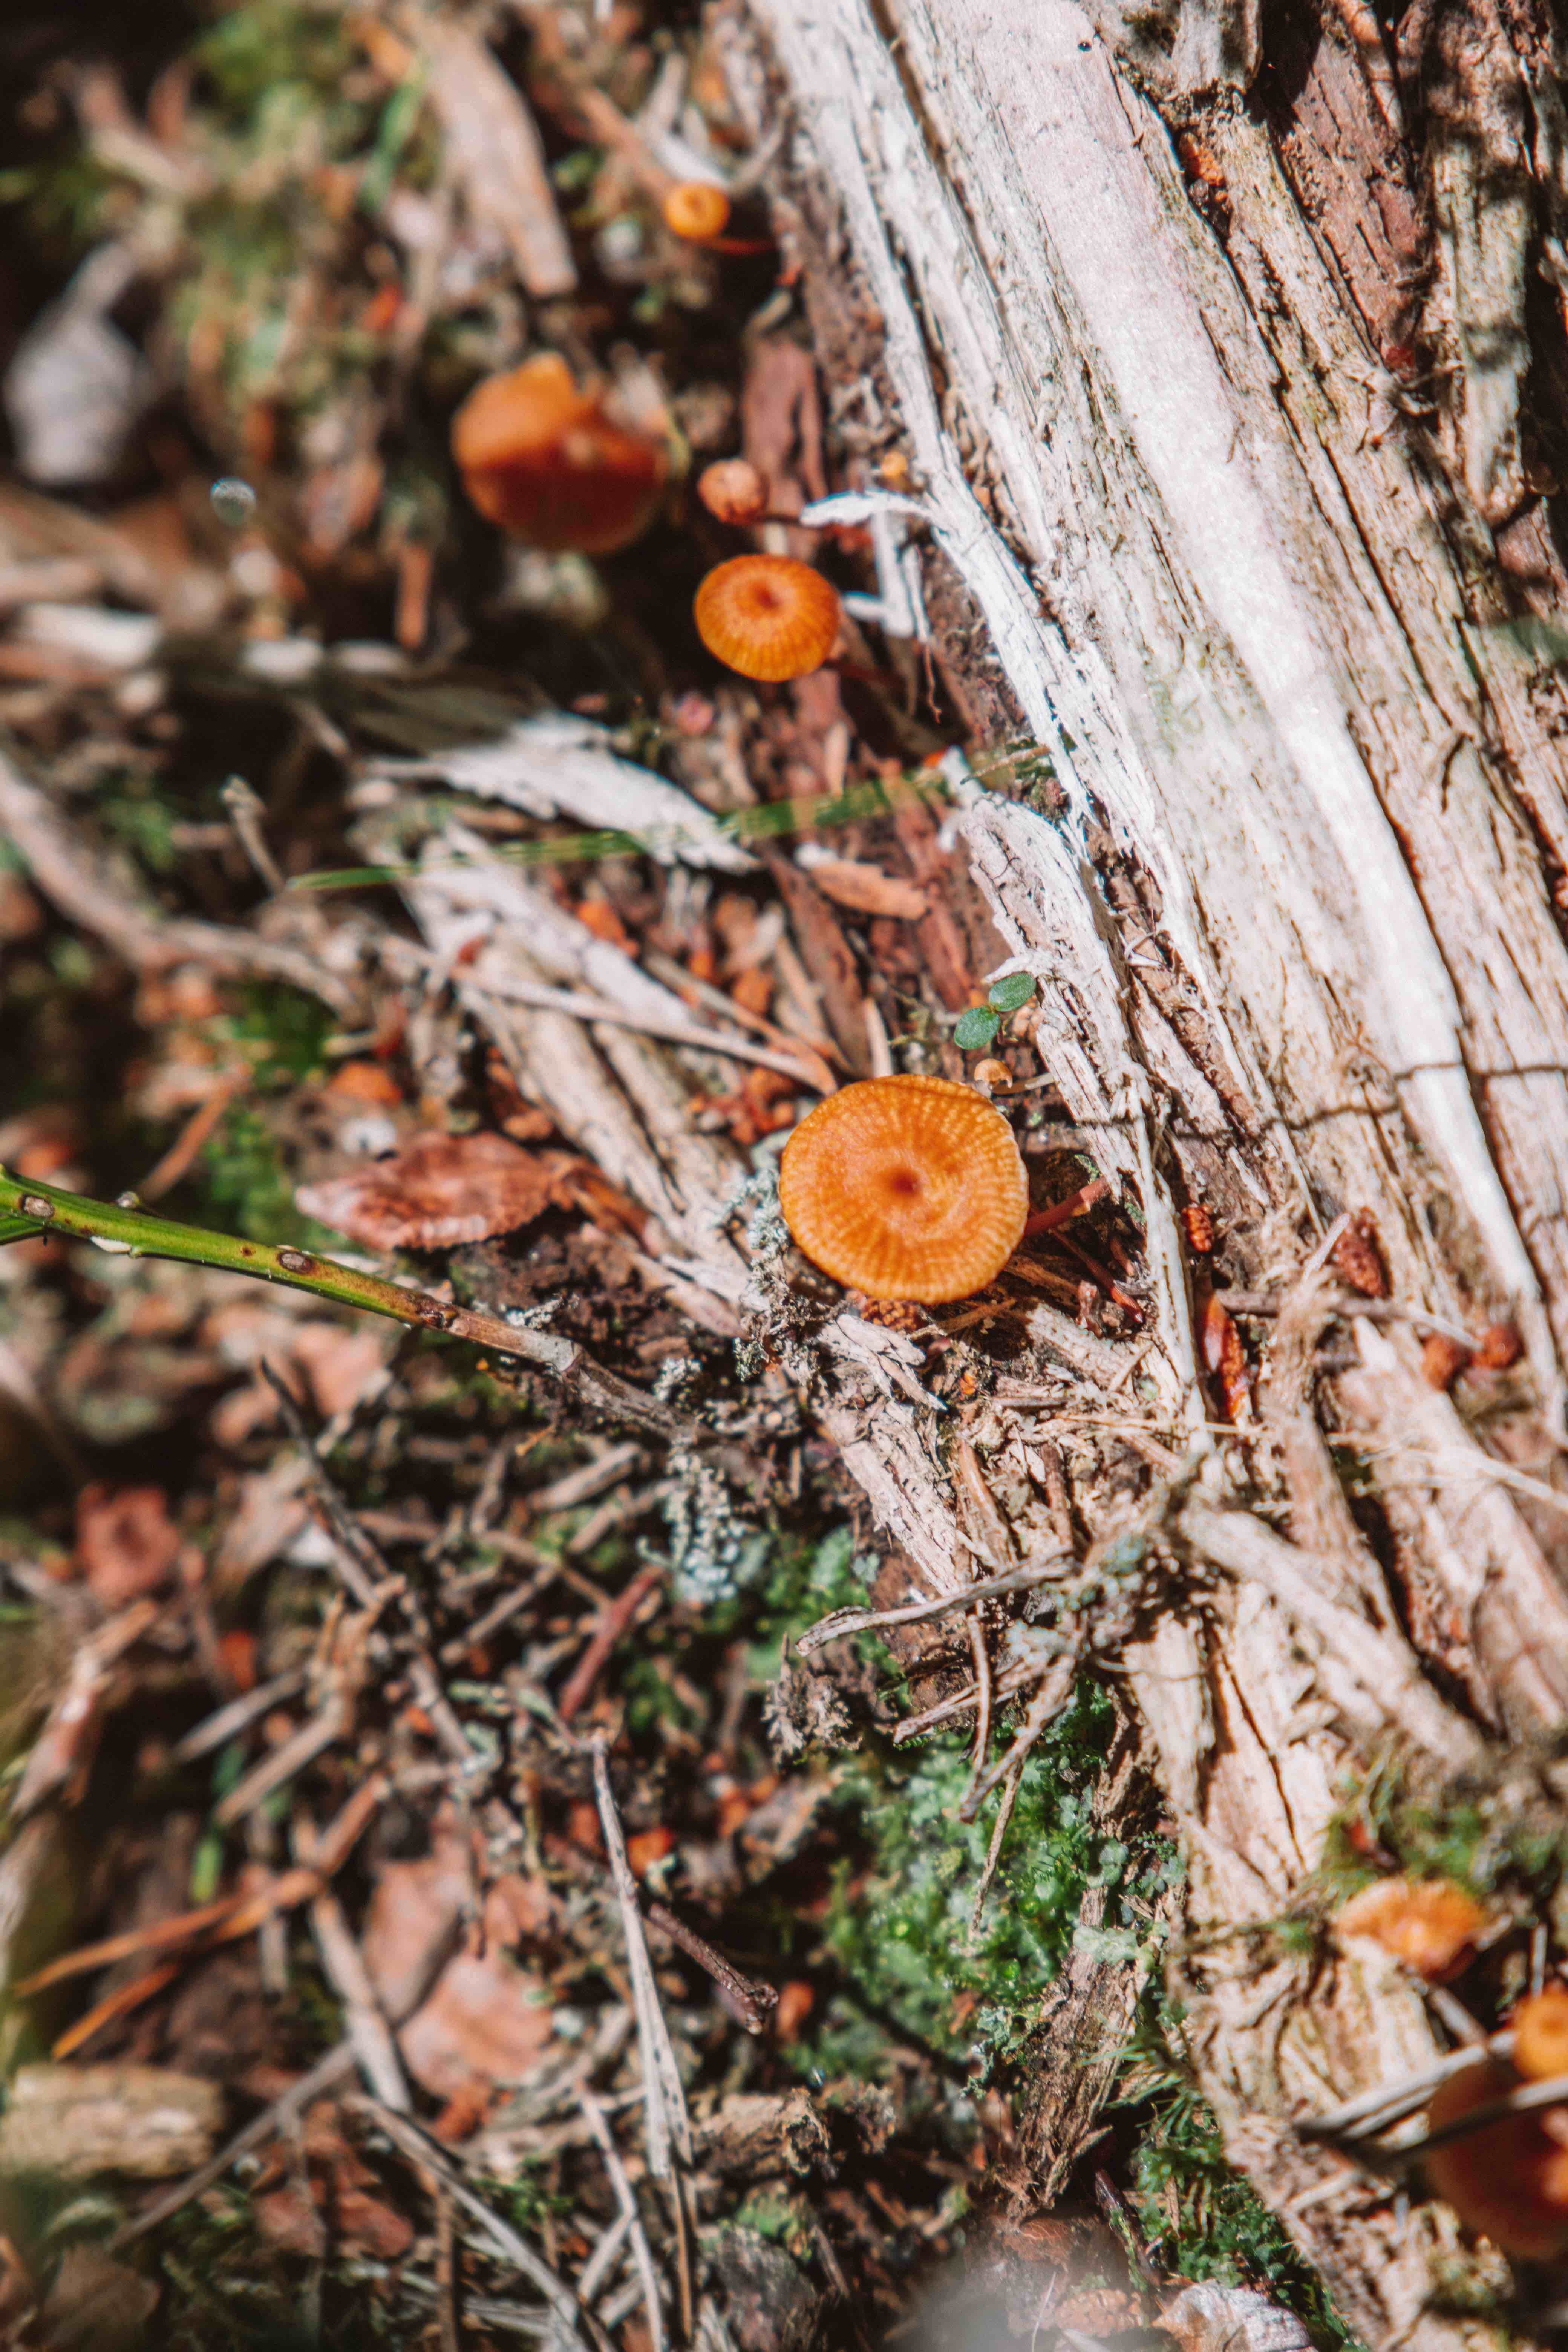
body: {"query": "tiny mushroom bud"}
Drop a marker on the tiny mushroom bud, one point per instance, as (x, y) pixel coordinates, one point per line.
(697, 210)
(905, 1188)
(1430, 1924)
(1541, 2033)
(733, 490)
(767, 616)
(1499, 1347)
(1509, 2180)
(539, 458)
(992, 1075)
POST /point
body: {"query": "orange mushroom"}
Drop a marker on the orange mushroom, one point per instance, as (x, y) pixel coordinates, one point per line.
(905, 1188)
(697, 210)
(1508, 2179)
(539, 457)
(1541, 2033)
(1430, 1924)
(733, 490)
(768, 616)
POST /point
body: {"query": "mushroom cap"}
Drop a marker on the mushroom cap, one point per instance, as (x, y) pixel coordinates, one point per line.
(697, 209)
(768, 616)
(539, 458)
(733, 490)
(1509, 2180)
(1540, 2025)
(905, 1188)
(1430, 1924)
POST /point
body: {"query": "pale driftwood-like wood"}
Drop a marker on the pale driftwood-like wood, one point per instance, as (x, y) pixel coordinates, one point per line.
(1210, 557)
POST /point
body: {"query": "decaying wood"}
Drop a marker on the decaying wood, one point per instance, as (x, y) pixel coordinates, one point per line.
(1260, 607)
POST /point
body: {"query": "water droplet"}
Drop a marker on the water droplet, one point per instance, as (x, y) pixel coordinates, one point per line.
(233, 501)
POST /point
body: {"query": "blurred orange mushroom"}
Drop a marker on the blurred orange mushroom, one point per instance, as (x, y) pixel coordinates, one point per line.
(733, 490)
(905, 1188)
(1430, 1924)
(768, 616)
(539, 458)
(1541, 2033)
(697, 210)
(1508, 2179)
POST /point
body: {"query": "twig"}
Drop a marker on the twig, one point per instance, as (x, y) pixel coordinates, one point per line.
(247, 813)
(1006, 1684)
(430, 2157)
(1012, 1783)
(135, 1233)
(340, 1958)
(612, 1623)
(1049, 1701)
(498, 1614)
(370, 1580)
(328, 1724)
(215, 1729)
(144, 938)
(668, 2127)
(842, 1622)
(324, 2076)
(749, 2000)
(601, 2263)
(676, 1033)
(981, 1657)
(629, 2205)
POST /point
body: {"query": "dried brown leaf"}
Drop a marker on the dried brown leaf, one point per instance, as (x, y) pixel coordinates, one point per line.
(414, 1916)
(126, 1544)
(445, 1189)
(486, 2021)
(849, 882)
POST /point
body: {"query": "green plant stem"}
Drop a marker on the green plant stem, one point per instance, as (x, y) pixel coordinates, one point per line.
(27, 1208)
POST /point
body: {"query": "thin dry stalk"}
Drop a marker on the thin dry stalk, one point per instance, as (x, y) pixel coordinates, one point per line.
(625, 2197)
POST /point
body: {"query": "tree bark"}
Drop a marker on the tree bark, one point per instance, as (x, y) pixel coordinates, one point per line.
(1228, 392)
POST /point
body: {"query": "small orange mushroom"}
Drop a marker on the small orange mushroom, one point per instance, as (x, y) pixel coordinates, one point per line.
(539, 457)
(1541, 2033)
(733, 490)
(697, 210)
(905, 1188)
(1508, 2179)
(1430, 1924)
(768, 616)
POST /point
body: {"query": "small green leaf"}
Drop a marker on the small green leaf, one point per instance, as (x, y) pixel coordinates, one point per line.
(1016, 990)
(976, 1028)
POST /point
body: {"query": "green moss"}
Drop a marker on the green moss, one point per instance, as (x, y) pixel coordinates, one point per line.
(1203, 2219)
(899, 1923)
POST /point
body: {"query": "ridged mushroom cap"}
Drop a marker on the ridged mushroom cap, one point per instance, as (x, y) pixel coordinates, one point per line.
(1509, 2180)
(539, 458)
(905, 1188)
(768, 616)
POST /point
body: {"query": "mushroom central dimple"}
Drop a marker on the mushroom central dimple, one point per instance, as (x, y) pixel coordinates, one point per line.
(905, 1188)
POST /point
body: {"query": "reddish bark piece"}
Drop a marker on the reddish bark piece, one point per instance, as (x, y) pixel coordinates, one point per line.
(1198, 1226)
(1443, 1359)
(1498, 1347)
(851, 882)
(445, 1189)
(486, 2021)
(126, 1544)
(1357, 1256)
